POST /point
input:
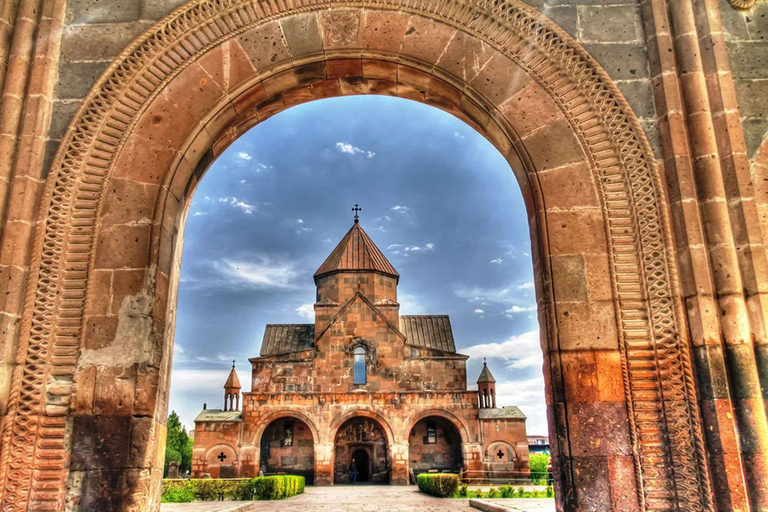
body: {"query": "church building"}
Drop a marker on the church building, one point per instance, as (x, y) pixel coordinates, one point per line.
(361, 389)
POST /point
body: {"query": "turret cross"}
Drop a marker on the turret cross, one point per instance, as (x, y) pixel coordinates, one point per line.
(357, 209)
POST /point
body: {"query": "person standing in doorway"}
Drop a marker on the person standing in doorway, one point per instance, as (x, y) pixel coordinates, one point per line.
(353, 471)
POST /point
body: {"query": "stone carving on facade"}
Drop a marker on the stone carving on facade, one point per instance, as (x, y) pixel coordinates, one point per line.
(652, 331)
(341, 26)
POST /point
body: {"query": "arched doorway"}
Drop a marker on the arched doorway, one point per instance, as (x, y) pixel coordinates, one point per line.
(287, 447)
(363, 440)
(608, 297)
(361, 459)
(434, 444)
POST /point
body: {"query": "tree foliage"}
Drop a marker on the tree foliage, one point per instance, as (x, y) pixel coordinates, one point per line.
(539, 463)
(178, 445)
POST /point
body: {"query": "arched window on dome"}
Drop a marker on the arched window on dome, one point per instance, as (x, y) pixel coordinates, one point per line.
(359, 364)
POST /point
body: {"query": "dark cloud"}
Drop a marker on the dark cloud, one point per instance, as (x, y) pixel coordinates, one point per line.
(437, 198)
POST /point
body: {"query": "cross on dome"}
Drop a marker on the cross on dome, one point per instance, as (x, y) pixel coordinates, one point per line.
(357, 209)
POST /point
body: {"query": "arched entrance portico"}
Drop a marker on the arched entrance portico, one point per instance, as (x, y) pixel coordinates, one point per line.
(360, 446)
(162, 112)
(434, 444)
(287, 447)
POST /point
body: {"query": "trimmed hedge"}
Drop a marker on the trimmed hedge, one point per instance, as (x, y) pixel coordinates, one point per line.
(441, 485)
(236, 489)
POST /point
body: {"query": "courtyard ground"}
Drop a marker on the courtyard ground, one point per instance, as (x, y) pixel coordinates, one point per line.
(360, 498)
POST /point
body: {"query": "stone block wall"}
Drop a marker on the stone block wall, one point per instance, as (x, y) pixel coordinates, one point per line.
(613, 34)
(746, 38)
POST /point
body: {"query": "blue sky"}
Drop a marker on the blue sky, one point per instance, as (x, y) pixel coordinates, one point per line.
(438, 200)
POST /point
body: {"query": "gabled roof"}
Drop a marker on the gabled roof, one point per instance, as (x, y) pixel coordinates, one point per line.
(428, 331)
(219, 415)
(506, 412)
(356, 252)
(232, 380)
(357, 295)
(485, 375)
(286, 338)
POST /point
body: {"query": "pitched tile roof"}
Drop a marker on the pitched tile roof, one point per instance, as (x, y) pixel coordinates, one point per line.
(508, 411)
(286, 338)
(428, 331)
(219, 415)
(356, 252)
(232, 380)
(485, 375)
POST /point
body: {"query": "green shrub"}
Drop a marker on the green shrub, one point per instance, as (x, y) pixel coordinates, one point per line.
(507, 491)
(550, 491)
(539, 473)
(521, 491)
(235, 489)
(463, 490)
(177, 494)
(276, 487)
(438, 484)
(492, 493)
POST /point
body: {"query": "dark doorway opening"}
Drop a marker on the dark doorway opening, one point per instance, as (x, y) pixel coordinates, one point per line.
(363, 463)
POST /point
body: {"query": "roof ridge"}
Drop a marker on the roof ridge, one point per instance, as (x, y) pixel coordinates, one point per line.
(356, 252)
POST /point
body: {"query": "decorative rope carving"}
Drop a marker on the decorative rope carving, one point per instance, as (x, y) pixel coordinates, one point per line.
(667, 441)
(742, 5)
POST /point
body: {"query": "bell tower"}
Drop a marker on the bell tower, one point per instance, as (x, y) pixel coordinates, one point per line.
(355, 266)
(486, 388)
(232, 391)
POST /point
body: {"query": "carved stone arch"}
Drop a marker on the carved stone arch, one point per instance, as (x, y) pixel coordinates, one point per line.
(217, 449)
(267, 420)
(363, 413)
(116, 148)
(458, 424)
(491, 447)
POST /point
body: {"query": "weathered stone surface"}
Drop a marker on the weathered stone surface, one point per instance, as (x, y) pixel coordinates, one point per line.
(624, 240)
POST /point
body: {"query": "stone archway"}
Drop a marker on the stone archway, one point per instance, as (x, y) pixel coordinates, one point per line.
(360, 446)
(102, 295)
(434, 444)
(287, 446)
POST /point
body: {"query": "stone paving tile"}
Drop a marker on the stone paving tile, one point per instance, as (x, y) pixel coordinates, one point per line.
(360, 498)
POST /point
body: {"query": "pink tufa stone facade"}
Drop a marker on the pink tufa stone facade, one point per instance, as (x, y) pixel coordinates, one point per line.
(361, 384)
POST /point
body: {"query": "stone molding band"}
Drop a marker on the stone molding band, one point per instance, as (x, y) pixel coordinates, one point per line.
(659, 384)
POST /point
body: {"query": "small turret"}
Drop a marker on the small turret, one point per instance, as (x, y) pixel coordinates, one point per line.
(486, 388)
(232, 391)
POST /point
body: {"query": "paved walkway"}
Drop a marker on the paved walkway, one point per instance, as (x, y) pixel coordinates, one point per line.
(356, 498)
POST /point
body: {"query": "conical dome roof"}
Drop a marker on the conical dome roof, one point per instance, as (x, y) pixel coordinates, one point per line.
(232, 380)
(485, 375)
(356, 253)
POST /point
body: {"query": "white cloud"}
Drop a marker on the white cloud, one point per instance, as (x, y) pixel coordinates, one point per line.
(198, 214)
(484, 295)
(497, 261)
(243, 181)
(526, 286)
(416, 248)
(306, 311)
(261, 272)
(410, 304)
(301, 227)
(520, 309)
(518, 352)
(244, 155)
(478, 311)
(189, 380)
(457, 135)
(349, 149)
(401, 209)
(240, 205)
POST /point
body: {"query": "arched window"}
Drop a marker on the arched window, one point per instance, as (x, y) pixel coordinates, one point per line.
(359, 365)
